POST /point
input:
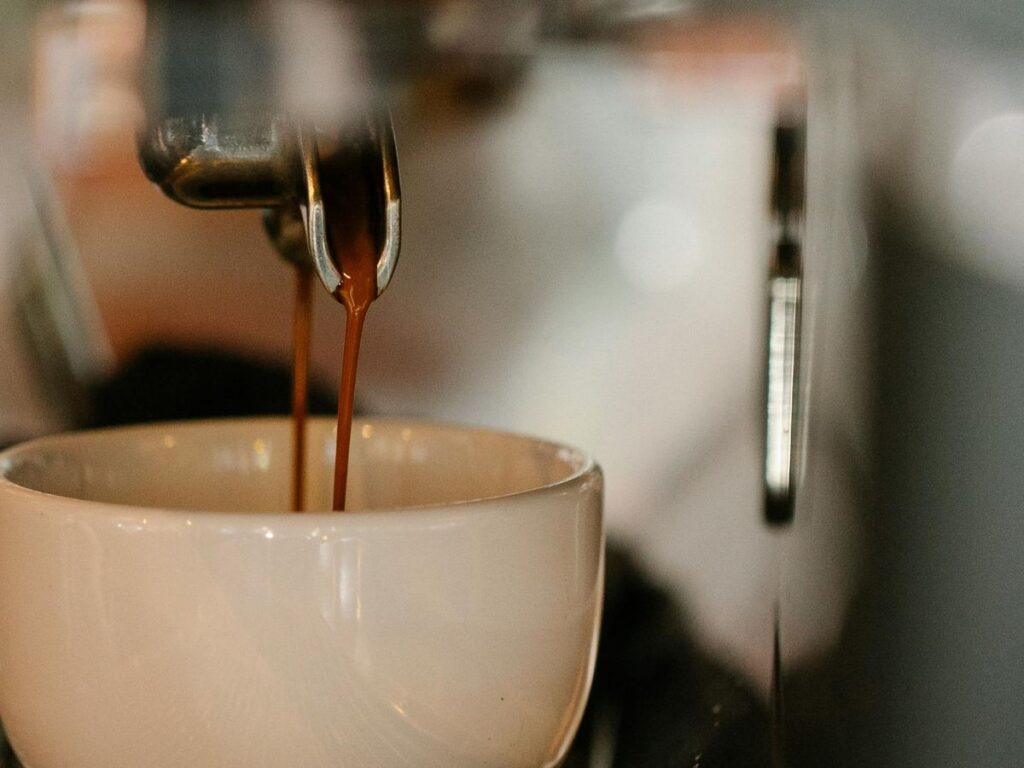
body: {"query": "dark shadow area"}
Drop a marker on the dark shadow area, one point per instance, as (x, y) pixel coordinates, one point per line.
(169, 384)
(657, 701)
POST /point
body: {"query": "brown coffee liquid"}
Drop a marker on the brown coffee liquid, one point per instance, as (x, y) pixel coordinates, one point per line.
(301, 326)
(359, 289)
(354, 237)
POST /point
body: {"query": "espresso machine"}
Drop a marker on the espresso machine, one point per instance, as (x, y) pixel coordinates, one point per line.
(761, 259)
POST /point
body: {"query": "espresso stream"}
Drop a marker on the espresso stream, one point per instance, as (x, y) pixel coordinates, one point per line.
(352, 210)
(301, 326)
(359, 289)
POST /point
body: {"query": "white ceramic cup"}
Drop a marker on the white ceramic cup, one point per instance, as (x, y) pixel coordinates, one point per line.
(159, 608)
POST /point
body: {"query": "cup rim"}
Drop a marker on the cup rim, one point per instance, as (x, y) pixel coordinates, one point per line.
(584, 469)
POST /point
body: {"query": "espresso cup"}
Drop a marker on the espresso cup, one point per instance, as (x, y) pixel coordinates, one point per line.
(159, 607)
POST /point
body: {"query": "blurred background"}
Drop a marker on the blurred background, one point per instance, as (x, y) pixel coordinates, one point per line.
(588, 239)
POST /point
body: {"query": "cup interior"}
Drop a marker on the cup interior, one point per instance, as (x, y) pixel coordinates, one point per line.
(245, 465)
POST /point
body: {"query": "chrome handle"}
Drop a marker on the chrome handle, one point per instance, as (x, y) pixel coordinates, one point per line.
(785, 303)
(781, 429)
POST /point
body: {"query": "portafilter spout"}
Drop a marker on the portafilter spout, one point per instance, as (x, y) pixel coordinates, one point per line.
(209, 161)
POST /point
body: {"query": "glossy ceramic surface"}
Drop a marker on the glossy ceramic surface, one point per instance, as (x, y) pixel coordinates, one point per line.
(137, 630)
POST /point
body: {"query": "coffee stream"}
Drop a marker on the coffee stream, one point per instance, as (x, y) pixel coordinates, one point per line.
(301, 326)
(359, 289)
(354, 235)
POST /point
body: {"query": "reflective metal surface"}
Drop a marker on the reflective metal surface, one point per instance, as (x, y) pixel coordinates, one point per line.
(314, 153)
(211, 162)
(785, 281)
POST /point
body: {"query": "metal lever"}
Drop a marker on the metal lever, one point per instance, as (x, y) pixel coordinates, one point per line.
(785, 289)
